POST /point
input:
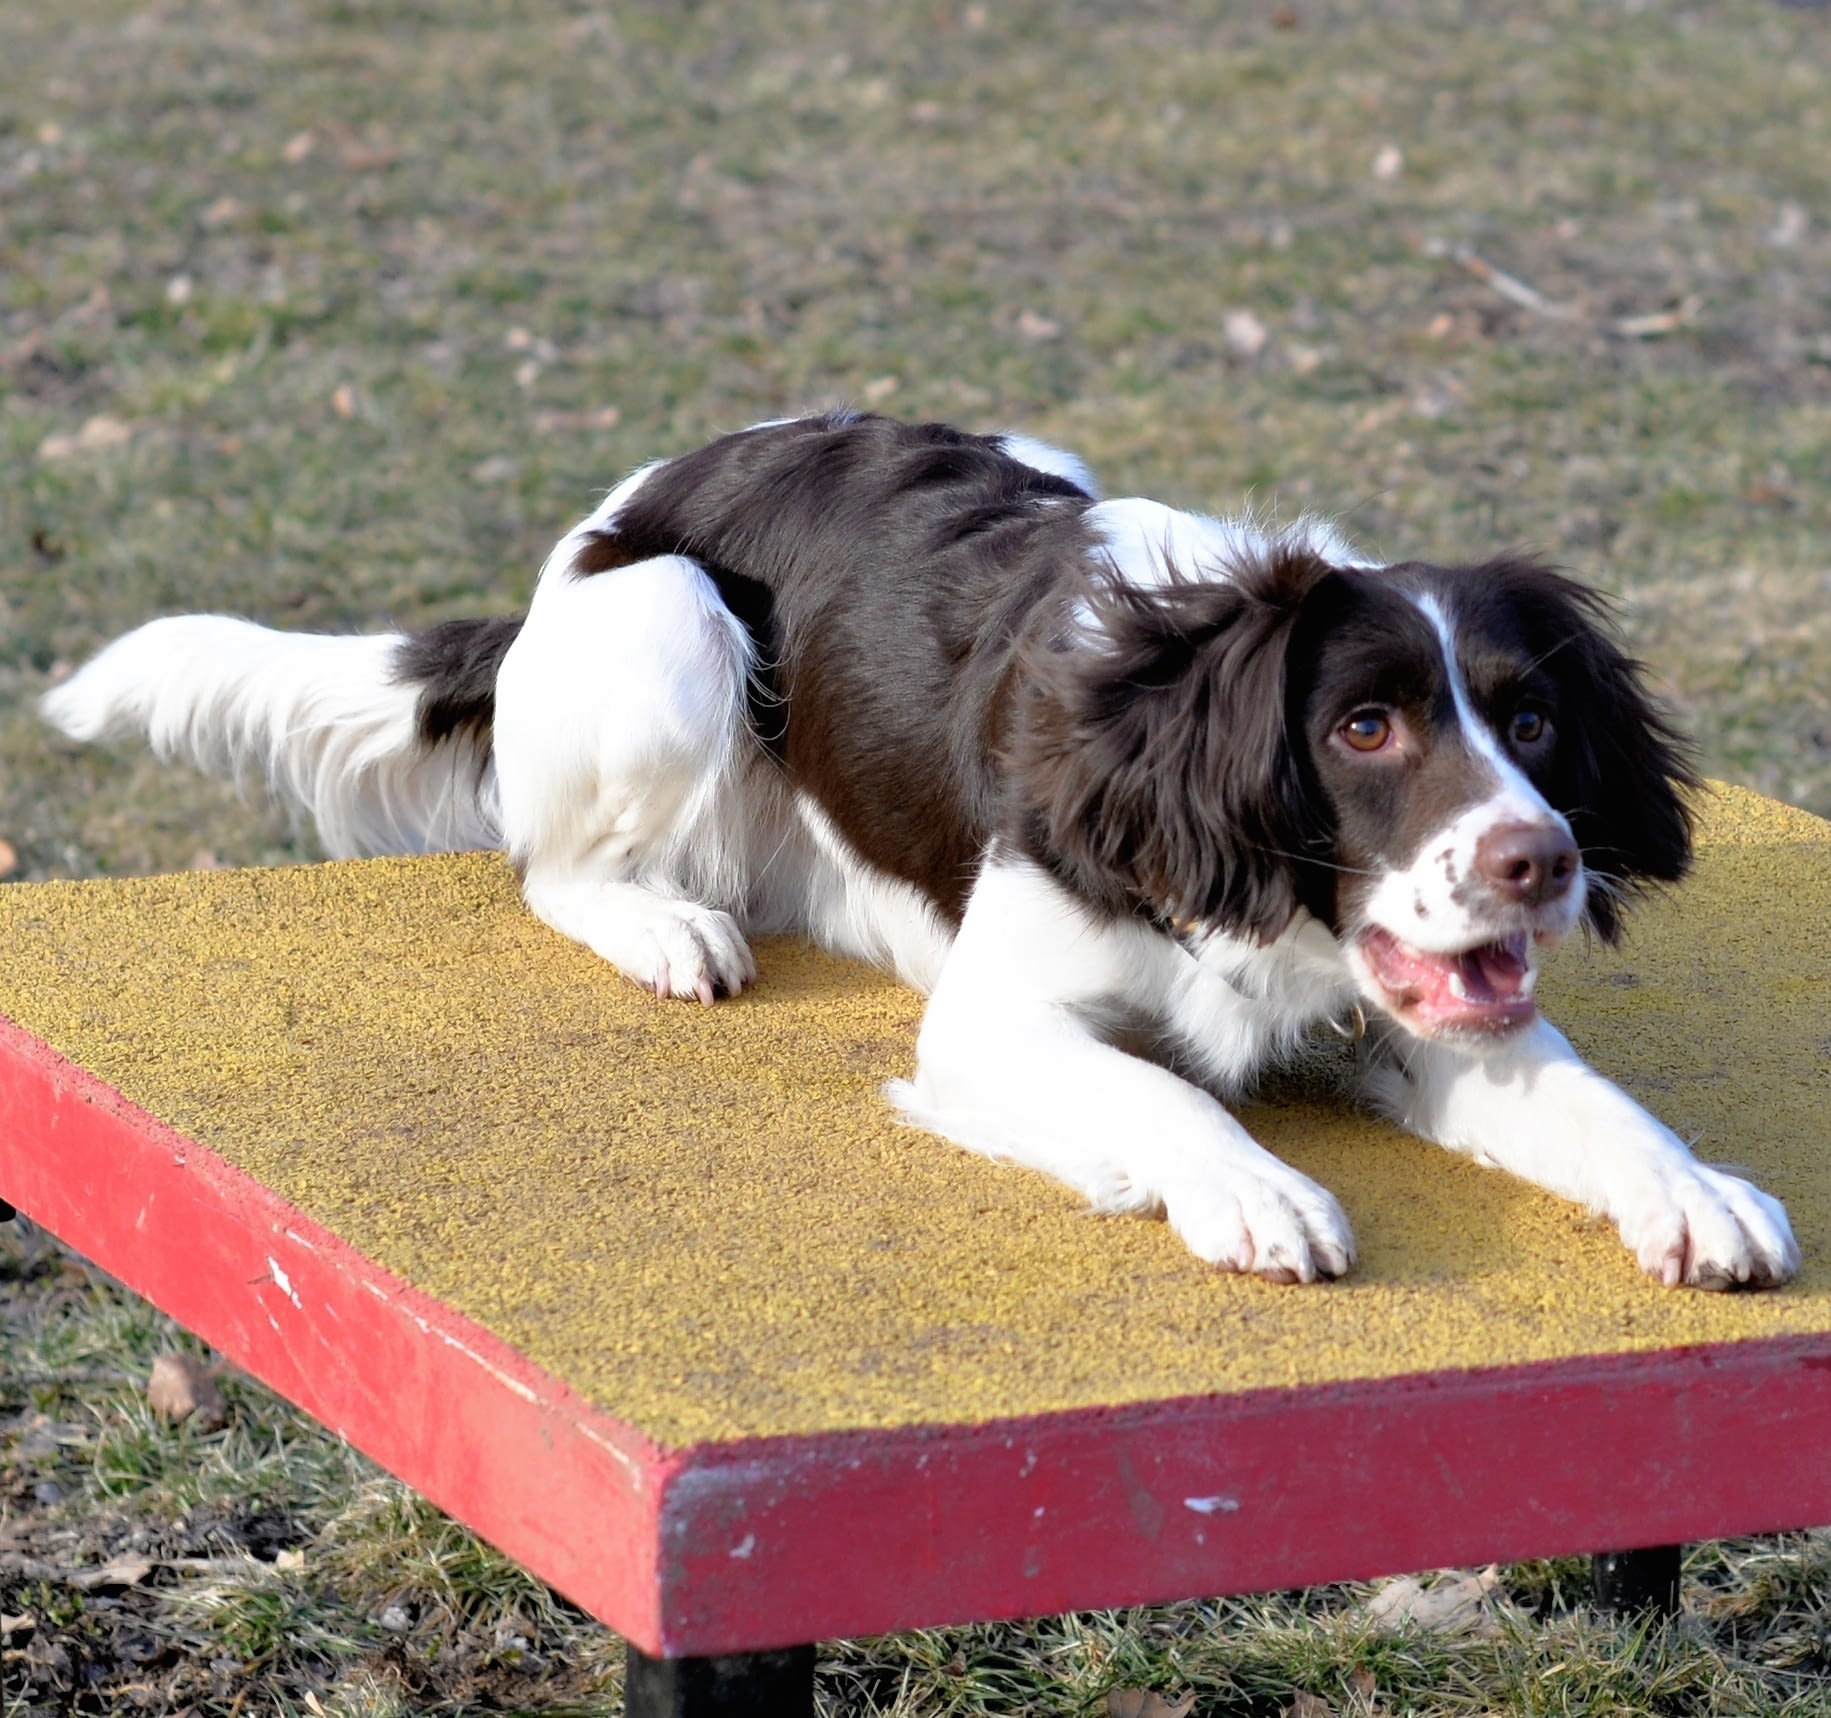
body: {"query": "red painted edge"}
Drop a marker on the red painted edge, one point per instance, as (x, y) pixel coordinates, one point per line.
(1243, 1493)
(754, 1544)
(553, 1481)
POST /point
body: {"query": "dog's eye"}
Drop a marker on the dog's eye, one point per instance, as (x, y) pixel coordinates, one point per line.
(1368, 730)
(1529, 726)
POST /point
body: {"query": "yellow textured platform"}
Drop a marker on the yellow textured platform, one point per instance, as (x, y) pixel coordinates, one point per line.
(708, 1222)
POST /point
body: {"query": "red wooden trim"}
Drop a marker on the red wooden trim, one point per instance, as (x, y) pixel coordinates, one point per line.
(752, 1545)
(556, 1483)
(1246, 1493)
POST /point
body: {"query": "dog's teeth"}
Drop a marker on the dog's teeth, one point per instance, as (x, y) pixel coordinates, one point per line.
(1527, 980)
(1458, 988)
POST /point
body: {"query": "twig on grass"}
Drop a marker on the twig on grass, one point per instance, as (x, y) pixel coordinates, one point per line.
(1512, 288)
(1659, 322)
(1649, 326)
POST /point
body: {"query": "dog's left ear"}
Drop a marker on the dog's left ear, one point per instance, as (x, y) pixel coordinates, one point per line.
(1624, 772)
(1150, 751)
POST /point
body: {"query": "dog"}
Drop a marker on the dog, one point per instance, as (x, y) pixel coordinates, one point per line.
(1137, 796)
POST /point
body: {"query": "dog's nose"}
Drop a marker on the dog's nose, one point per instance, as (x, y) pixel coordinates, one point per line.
(1530, 863)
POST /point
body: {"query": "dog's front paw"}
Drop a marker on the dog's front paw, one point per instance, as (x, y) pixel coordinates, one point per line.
(1692, 1224)
(1282, 1227)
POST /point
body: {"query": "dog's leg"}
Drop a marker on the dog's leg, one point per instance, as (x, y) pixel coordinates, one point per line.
(1533, 1106)
(1010, 1064)
(621, 750)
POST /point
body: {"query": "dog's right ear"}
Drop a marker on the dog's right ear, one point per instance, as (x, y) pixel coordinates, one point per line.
(1150, 752)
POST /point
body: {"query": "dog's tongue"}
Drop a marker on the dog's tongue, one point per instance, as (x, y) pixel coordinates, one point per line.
(1486, 989)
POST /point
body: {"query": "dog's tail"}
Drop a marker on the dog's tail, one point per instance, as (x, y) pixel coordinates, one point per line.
(384, 740)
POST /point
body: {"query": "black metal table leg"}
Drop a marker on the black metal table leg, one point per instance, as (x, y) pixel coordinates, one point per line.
(1630, 1582)
(755, 1684)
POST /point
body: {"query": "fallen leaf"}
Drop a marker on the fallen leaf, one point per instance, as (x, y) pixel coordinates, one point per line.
(343, 400)
(1309, 1706)
(1454, 1605)
(1035, 327)
(122, 1572)
(1366, 1688)
(526, 340)
(1244, 332)
(1389, 163)
(9, 859)
(883, 387)
(298, 147)
(101, 432)
(181, 1388)
(23, 1624)
(356, 154)
(1146, 1703)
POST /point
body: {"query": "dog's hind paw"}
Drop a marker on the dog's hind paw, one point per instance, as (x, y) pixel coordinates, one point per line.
(675, 948)
(695, 953)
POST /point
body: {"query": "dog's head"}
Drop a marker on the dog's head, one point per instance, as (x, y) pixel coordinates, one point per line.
(1451, 768)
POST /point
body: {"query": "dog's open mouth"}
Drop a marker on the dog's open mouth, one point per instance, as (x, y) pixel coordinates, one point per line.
(1486, 989)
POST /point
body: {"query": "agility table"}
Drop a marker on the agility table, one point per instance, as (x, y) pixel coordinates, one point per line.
(663, 1301)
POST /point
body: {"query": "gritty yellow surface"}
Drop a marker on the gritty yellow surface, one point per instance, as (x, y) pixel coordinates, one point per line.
(707, 1221)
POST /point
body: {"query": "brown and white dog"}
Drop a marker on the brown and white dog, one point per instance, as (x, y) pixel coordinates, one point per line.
(1091, 773)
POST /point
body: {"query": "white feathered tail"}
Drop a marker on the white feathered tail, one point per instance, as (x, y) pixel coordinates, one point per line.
(329, 722)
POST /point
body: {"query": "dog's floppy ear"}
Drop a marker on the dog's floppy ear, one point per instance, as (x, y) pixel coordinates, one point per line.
(1150, 752)
(1623, 771)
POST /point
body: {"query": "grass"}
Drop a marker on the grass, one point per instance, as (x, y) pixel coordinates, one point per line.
(315, 309)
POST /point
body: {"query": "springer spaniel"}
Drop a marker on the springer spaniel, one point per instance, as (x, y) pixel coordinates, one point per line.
(1090, 773)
